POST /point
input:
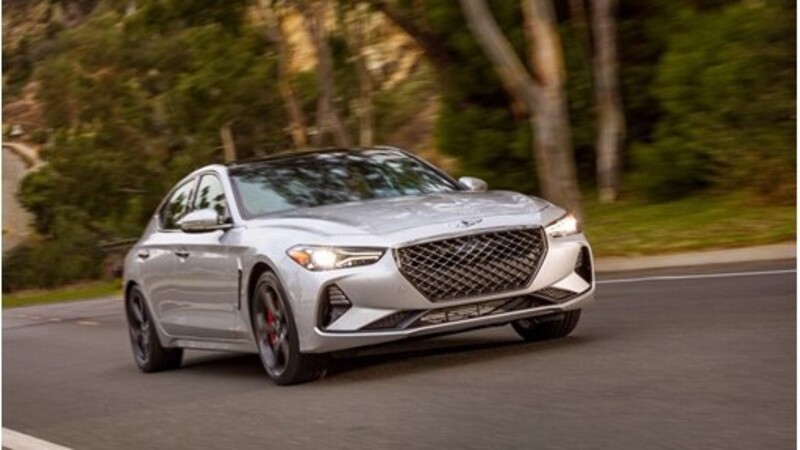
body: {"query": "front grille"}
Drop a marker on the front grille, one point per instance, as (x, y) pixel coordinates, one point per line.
(490, 308)
(402, 320)
(473, 265)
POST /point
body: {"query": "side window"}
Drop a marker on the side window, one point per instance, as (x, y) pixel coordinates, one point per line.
(211, 195)
(177, 206)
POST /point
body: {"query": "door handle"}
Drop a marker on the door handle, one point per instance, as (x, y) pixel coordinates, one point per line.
(143, 254)
(181, 253)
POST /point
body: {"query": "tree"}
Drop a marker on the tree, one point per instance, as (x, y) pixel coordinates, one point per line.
(328, 118)
(356, 24)
(610, 116)
(541, 91)
(297, 123)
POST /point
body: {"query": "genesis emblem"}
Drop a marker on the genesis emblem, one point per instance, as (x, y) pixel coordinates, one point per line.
(466, 223)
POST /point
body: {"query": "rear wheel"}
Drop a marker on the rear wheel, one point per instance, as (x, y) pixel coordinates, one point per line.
(276, 335)
(547, 327)
(148, 353)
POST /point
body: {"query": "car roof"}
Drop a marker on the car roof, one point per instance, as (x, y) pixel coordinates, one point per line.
(295, 154)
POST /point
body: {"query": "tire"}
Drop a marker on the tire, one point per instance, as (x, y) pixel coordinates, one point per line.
(547, 327)
(275, 332)
(148, 353)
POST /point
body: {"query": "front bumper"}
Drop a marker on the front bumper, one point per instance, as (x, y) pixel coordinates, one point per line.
(379, 291)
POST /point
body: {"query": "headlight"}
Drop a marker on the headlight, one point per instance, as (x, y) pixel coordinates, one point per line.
(317, 258)
(565, 226)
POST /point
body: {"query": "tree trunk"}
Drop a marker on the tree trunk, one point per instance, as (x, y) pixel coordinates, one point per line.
(328, 119)
(542, 94)
(515, 78)
(357, 42)
(294, 110)
(552, 135)
(610, 117)
(366, 113)
(228, 144)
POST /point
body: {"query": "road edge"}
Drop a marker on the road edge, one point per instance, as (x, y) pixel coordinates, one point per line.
(774, 252)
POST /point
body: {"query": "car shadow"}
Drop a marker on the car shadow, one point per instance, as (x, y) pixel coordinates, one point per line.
(409, 358)
(391, 360)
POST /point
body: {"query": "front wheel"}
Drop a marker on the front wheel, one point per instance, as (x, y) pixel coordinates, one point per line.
(276, 335)
(547, 327)
(149, 354)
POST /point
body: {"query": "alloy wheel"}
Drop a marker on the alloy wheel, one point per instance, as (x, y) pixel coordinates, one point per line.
(139, 327)
(272, 330)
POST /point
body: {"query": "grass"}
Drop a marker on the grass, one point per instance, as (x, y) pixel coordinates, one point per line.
(81, 291)
(628, 228)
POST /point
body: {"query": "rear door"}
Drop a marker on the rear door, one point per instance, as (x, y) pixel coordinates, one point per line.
(157, 255)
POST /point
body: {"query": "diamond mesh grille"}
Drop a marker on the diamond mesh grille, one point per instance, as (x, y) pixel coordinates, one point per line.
(473, 265)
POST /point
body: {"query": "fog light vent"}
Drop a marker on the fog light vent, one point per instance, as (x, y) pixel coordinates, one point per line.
(554, 294)
(334, 304)
(390, 321)
(583, 266)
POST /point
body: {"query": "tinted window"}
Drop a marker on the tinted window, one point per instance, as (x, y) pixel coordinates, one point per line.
(177, 206)
(211, 195)
(333, 177)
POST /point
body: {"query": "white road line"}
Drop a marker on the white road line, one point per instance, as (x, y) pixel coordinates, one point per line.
(88, 322)
(15, 440)
(696, 276)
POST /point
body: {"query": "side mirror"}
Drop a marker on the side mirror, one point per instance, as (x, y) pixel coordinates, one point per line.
(473, 184)
(203, 220)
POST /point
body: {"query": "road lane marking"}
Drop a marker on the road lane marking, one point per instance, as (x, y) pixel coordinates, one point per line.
(696, 276)
(15, 440)
(88, 322)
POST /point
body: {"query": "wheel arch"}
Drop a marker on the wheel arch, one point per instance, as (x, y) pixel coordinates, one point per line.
(130, 284)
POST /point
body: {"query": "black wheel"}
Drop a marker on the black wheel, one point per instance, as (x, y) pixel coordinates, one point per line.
(148, 353)
(276, 336)
(547, 327)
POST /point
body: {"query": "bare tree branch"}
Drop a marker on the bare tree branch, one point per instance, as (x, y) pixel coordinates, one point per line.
(509, 68)
(429, 42)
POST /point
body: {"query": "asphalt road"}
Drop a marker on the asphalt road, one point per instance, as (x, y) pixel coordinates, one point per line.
(695, 363)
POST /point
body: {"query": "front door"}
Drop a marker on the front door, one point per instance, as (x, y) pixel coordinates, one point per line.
(207, 271)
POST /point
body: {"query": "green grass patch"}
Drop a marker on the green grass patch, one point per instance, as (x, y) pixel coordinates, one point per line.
(81, 291)
(696, 223)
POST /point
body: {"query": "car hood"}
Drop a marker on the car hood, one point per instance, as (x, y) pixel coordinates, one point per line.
(386, 216)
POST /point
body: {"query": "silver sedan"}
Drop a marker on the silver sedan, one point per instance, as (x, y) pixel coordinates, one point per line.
(300, 255)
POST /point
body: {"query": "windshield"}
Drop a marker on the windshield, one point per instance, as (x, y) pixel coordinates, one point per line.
(328, 178)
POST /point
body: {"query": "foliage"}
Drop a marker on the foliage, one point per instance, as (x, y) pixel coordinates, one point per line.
(726, 86)
(134, 103)
(71, 255)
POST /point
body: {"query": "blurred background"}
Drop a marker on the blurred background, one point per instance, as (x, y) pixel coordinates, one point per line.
(667, 125)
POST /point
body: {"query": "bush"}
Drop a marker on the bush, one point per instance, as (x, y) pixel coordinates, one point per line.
(726, 86)
(71, 255)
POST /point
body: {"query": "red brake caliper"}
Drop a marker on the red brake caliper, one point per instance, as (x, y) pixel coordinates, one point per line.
(270, 324)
